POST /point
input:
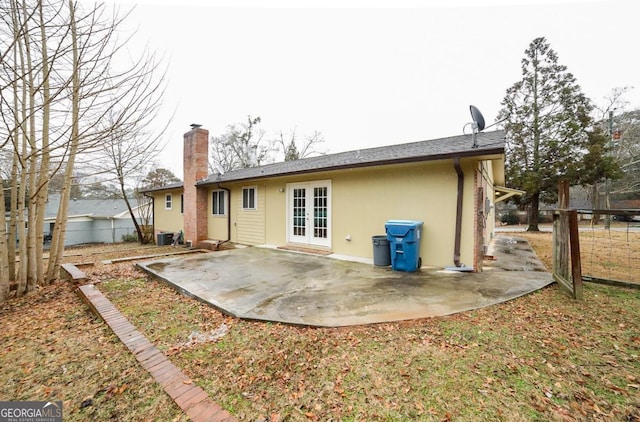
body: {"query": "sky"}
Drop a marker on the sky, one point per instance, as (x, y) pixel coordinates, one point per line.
(369, 73)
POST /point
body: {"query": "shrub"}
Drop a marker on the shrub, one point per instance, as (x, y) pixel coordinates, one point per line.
(130, 237)
(510, 218)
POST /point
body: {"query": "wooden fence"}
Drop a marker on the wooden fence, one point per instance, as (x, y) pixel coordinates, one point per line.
(567, 267)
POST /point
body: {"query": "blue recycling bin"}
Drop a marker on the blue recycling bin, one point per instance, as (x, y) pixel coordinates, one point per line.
(404, 243)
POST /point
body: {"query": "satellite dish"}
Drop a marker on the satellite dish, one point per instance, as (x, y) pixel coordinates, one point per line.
(477, 117)
(477, 125)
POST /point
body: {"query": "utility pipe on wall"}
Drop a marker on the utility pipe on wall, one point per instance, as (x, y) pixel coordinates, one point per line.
(456, 248)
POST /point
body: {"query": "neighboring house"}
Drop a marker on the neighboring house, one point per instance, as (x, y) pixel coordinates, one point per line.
(338, 202)
(93, 220)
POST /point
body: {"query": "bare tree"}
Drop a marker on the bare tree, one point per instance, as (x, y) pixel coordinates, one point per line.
(293, 151)
(241, 146)
(622, 130)
(132, 145)
(63, 95)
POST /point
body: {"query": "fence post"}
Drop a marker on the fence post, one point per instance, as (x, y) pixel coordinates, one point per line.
(566, 245)
(576, 264)
(564, 235)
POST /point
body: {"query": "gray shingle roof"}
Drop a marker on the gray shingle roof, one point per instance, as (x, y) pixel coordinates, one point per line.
(436, 149)
(171, 186)
(93, 207)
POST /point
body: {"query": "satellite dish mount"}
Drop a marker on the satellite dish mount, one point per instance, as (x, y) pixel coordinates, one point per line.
(477, 125)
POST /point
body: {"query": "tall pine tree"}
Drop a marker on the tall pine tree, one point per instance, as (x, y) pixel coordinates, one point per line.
(546, 120)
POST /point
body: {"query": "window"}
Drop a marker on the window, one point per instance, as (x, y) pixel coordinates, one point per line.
(217, 202)
(249, 198)
(181, 203)
(168, 201)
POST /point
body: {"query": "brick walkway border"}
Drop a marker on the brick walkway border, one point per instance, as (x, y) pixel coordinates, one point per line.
(192, 399)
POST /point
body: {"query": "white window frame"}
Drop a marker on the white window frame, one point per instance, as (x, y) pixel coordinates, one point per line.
(255, 198)
(168, 201)
(216, 206)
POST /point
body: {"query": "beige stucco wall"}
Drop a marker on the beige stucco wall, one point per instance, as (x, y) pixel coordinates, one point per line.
(167, 220)
(424, 192)
(362, 201)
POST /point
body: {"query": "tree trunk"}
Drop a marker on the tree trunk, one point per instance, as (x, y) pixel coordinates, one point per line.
(123, 191)
(595, 204)
(20, 149)
(30, 165)
(534, 213)
(43, 176)
(4, 258)
(59, 230)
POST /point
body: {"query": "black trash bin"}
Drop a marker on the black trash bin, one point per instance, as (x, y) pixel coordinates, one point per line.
(381, 251)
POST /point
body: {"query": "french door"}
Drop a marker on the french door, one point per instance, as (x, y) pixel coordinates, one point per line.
(309, 213)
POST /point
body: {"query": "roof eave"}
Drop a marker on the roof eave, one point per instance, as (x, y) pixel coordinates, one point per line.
(492, 153)
(163, 188)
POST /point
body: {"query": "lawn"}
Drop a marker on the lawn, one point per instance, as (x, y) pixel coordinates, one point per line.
(539, 357)
(608, 254)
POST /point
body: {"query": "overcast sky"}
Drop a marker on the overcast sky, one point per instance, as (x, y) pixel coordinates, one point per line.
(371, 73)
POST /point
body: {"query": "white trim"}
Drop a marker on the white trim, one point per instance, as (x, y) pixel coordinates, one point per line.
(170, 196)
(255, 198)
(309, 237)
(224, 205)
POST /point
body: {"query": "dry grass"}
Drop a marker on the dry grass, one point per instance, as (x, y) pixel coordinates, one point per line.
(539, 357)
(53, 348)
(609, 254)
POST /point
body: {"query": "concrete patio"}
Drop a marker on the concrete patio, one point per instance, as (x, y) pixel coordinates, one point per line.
(304, 289)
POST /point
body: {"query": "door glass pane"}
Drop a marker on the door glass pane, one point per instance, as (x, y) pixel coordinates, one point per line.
(299, 210)
(320, 216)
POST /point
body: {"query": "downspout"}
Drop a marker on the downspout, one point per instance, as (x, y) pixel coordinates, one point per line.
(456, 248)
(228, 191)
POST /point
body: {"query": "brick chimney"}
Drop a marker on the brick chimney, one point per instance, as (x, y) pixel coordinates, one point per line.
(195, 168)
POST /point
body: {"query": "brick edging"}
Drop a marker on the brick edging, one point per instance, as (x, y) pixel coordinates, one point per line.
(192, 399)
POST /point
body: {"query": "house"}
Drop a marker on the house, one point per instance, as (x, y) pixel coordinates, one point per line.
(93, 220)
(336, 203)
